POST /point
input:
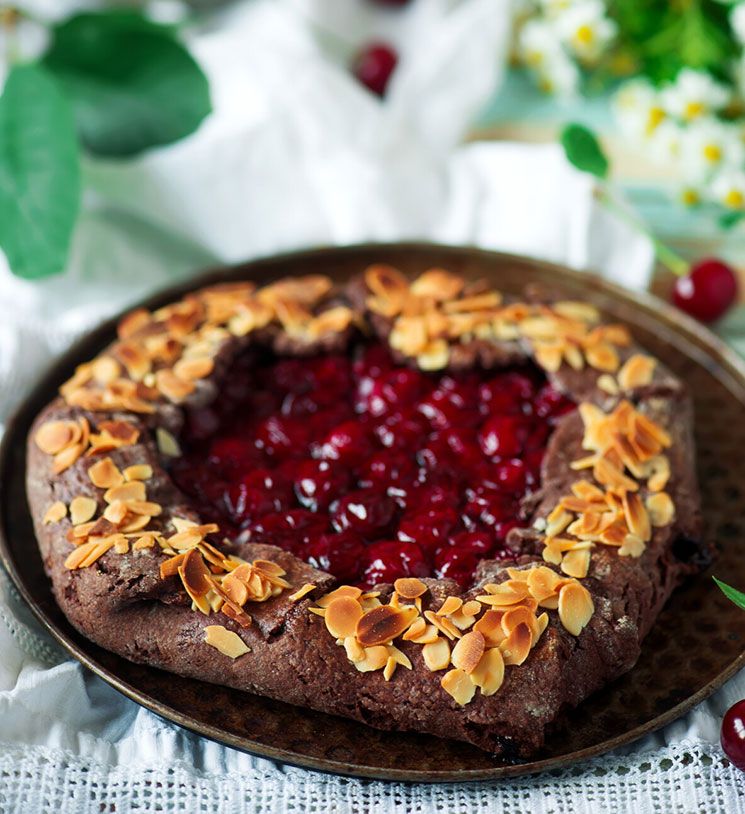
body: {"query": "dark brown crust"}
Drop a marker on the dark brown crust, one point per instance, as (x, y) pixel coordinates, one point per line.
(122, 604)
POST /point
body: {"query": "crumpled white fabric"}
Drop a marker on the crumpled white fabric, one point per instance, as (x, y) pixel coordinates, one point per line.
(296, 154)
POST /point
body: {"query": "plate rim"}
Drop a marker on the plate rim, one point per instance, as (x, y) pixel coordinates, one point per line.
(699, 337)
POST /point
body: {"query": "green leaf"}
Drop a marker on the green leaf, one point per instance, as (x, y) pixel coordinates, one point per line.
(583, 150)
(132, 85)
(39, 173)
(730, 219)
(738, 597)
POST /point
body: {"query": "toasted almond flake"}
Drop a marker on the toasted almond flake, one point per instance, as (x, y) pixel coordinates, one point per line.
(125, 492)
(194, 574)
(342, 616)
(82, 509)
(443, 624)
(105, 474)
(53, 436)
(661, 509)
(195, 368)
(87, 553)
(355, 651)
(301, 592)
(542, 582)
(383, 624)
(657, 470)
(632, 546)
(65, 459)
(457, 684)
(269, 568)
(490, 627)
(450, 605)
(376, 658)
(167, 444)
(576, 563)
(144, 507)
(520, 615)
(121, 546)
(390, 668)
(138, 472)
(575, 607)
(436, 655)
(226, 641)
(468, 651)
(637, 371)
(558, 520)
(145, 541)
(56, 512)
(409, 587)
(318, 611)
(416, 628)
(106, 369)
(608, 384)
(488, 674)
(343, 590)
(427, 636)
(435, 355)
(470, 608)
(516, 646)
(437, 284)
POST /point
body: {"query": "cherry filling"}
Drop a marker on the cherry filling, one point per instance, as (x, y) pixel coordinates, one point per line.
(367, 469)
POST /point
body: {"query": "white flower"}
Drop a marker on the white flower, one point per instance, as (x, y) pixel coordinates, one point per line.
(708, 145)
(538, 44)
(693, 94)
(728, 188)
(585, 29)
(552, 8)
(559, 76)
(737, 21)
(637, 108)
(665, 143)
(689, 195)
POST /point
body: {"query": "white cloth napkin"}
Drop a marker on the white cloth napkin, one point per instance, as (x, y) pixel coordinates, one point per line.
(297, 154)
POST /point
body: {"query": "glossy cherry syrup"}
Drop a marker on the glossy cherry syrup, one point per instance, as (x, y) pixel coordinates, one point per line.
(367, 469)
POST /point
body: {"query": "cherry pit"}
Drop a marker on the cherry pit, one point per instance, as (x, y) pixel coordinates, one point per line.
(368, 469)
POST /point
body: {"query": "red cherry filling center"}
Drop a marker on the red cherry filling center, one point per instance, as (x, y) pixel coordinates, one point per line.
(367, 469)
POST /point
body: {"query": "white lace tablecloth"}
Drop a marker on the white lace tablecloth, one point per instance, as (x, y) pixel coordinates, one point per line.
(296, 154)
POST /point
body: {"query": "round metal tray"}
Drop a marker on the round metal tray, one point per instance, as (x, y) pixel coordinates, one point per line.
(697, 643)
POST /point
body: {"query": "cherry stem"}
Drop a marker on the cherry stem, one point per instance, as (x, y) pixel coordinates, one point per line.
(672, 260)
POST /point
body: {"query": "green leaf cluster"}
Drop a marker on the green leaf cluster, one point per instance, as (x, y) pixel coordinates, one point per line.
(113, 83)
(659, 37)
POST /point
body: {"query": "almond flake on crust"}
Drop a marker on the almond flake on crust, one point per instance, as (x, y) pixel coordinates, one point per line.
(226, 641)
(458, 685)
(56, 512)
(82, 509)
(105, 474)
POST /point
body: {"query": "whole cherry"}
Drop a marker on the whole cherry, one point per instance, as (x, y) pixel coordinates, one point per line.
(707, 291)
(732, 734)
(374, 65)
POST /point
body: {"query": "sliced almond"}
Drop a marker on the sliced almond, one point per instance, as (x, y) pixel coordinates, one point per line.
(191, 369)
(355, 651)
(342, 616)
(105, 474)
(301, 592)
(436, 655)
(384, 624)
(458, 685)
(138, 472)
(65, 459)
(576, 563)
(489, 672)
(450, 605)
(416, 628)
(53, 436)
(468, 651)
(516, 646)
(56, 512)
(443, 624)
(344, 590)
(661, 509)
(637, 371)
(375, 659)
(542, 582)
(409, 587)
(575, 607)
(82, 509)
(226, 641)
(490, 627)
(167, 443)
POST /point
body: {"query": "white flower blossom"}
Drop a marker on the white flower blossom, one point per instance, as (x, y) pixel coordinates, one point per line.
(693, 95)
(708, 145)
(559, 76)
(637, 108)
(665, 143)
(585, 29)
(728, 188)
(538, 44)
(737, 22)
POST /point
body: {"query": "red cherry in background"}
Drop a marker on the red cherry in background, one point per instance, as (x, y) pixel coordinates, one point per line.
(374, 65)
(707, 291)
(732, 734)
